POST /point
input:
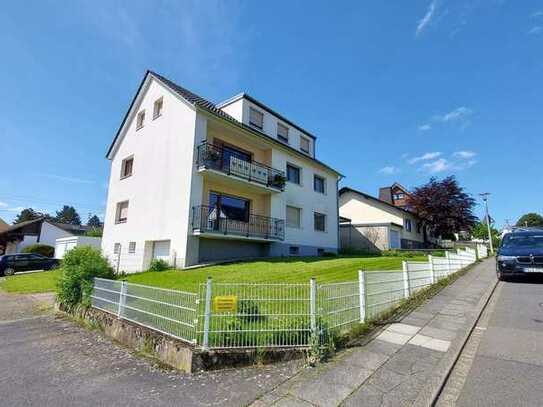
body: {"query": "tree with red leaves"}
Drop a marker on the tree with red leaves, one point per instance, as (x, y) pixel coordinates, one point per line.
(444, 206)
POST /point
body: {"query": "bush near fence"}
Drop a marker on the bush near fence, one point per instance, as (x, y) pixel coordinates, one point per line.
(259, 315)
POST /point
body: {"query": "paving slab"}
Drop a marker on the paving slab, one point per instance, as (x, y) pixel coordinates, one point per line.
(397, 367)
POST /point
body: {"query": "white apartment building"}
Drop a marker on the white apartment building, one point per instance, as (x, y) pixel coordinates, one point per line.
(194, 182)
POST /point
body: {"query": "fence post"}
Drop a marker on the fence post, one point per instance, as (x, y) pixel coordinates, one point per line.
(119, 259)
(406, 289)
(207, 313)
(432, 273)
(122, 298)
(362, 294)
(313, 305)
(448, 262)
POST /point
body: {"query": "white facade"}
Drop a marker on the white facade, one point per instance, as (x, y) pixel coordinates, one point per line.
(169, 188)
(397, 227)
(65, 244)
(48, 235)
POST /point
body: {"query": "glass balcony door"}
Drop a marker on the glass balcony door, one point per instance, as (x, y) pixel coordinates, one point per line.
(226, 208)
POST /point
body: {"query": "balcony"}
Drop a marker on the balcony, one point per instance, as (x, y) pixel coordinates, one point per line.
(210, 220)
(227, 162)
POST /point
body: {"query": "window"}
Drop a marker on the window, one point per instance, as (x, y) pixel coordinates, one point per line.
(319, 220)
(294, 217)
(140, 120)
(256, 118)
(116, 248)
(407, 225)
(282, 132)
(304, 145)
(320, 252)
(319, 184)
(122, 212)
(157, 108)
(398, 196)
(132, 247)
(293, 174)
(126, 167)
(294, 250)
(230, 207)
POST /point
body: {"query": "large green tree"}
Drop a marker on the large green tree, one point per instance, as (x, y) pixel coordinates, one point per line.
(94, 222)
(530, 219)
(444, 205)
(26, 215)
(68, 215)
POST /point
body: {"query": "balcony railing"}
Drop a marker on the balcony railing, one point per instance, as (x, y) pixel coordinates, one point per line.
(214, 157)
(210, 219)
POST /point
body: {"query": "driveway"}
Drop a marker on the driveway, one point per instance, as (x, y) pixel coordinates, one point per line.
(49, 361)
(502, 363)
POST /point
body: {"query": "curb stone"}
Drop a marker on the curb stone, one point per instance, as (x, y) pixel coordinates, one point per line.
(431, 391)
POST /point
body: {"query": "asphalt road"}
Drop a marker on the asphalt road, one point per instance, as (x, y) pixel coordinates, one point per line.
(49, 361)
(502, 362)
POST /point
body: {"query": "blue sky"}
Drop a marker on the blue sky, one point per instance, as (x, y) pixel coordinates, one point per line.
(394, 91)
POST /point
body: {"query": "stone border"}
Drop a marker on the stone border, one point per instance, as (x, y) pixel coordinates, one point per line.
(174, 352)
(433, 387)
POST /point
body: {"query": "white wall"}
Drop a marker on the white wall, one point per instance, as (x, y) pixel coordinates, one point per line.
(158, 190)
(303, 196)
(362, 210)
(65, 244)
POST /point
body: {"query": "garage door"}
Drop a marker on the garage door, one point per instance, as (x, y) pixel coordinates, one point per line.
(394, 239)
(161, 250)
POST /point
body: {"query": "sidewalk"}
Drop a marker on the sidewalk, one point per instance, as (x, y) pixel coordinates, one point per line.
(405, 363)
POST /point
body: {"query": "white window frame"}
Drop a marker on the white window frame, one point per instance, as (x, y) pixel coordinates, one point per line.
(308, 145)
(284, 139)
(325, 222)
(132, 247)
(117, 248)
(299, 226)
(118, 218)
(158, 102)
(251, 110)
(324, 186)
(123, 167)
(140, 120)
(408, 225)
(299, 173)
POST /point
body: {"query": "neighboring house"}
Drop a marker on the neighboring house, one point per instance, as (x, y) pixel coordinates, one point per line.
(396, 195)
(193, 182)
(369, 223)
(16, 237)
(64, 244)
(3, 225)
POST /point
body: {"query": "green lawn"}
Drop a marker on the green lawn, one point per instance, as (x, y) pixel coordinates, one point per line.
(31, 283)
(273, 270)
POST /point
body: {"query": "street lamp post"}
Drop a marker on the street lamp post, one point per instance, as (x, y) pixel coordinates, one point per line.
(485, 195)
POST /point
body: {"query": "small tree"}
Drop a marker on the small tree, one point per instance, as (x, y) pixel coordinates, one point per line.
(444, 206)
(68, 215)
(94, 222)
(530, 219)
(480, 231)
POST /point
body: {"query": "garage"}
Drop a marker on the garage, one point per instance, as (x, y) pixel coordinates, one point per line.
(161, 250)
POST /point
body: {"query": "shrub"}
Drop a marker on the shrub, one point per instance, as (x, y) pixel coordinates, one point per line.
(79, 266)
(328, 254)
(249, 311)
(158, 265)
(94, 232)
(43, 249)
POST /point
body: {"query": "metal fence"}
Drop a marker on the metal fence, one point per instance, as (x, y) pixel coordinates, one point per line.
(255, 315)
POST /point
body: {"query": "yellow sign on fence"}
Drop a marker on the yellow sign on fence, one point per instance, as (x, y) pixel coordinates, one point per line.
(225, 303)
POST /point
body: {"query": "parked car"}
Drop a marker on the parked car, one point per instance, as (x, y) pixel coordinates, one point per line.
(520, 253)
(12, 263)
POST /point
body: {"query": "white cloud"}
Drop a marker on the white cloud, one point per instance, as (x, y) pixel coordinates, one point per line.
(389, 170)
(460, 113)
(16, 209)
(425, 127)
(425, 157)
(3, 204)
(464, 154)
(424, 21)
(535, 30)
(437, 166)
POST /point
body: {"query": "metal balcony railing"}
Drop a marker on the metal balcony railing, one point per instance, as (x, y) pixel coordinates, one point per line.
(214, 157)
(211, 219)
